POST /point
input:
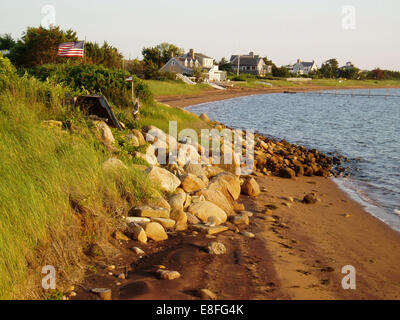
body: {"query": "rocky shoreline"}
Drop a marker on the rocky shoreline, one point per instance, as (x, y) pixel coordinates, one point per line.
(202, 199)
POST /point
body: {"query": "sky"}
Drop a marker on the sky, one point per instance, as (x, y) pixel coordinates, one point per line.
(366, 33)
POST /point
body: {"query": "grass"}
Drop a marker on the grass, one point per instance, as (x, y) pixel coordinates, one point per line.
(172, 88)
(55, 196)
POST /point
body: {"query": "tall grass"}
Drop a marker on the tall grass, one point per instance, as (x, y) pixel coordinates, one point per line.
(54, 192)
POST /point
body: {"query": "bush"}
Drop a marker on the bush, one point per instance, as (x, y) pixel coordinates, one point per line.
(7, 72)
(95, 80)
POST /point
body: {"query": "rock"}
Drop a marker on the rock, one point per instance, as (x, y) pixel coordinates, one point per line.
(168, 275)
(166, 223)
(187, 153)
(248, 213)
(155, 231)
(206, 294)
(270, 219)
(118, 235)
(247, 234)
(228, 184)
(212, 171)
(218, 198)
(133, 140)
(166, 180)
(103, 293)
(213, 221)
(290, 199)
(287, 204)
(238, 207)
(138, 251)
(216, 248)
(240, 219)
(177, 201)
(204, 117)
(149, 212)
(149, 157)
(138, 233)
(208, 230)
(310, 199)
(161, 202)
(122, 276)
(191, 183)
(191, 218)
(180, 219)
(111, 267)
(251, 188)
(105, 131)
(137, 220)
(287, 173)
(114, 164)
(205, 209)
(268, 212)
(197, 170)
(139, 137)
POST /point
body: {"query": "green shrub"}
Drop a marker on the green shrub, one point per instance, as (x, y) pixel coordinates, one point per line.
(7, 72)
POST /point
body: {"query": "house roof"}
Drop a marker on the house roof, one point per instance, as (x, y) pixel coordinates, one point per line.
(196, 55)
(246, 60)
(307, 64)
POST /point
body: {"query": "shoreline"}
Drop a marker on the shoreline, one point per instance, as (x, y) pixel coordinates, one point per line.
(352, 234)
(183, 101)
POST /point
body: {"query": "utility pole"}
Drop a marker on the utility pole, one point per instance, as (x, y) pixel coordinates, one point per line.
(238, 65)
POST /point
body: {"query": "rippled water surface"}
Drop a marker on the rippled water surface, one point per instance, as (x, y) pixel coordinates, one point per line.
(367, 128)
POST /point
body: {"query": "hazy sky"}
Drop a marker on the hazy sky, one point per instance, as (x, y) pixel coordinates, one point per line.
(283, 30)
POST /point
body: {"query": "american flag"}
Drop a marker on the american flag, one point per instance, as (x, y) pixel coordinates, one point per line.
(71, 49)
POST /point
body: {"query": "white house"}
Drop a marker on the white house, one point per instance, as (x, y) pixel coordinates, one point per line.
(301, 67)
(191, 60)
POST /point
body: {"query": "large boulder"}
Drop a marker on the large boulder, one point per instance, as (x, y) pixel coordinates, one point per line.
(251, 188)
(197, 170)
(137, 233)
(205, 117)
(206, 209)
(191, 183)
(139, 136)
(149, 157)
(228, 184)
(180, 218)
(287, 173)
(179, 201)
(155, 231)
(149, 212)
(105, 131)
(219, 199)
(166, 180)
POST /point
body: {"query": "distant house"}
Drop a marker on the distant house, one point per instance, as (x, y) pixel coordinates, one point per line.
(188, 62)
(251, 63)
(301, 67)
(349, 65)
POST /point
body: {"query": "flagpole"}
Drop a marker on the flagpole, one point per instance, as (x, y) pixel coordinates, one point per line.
(84, 51)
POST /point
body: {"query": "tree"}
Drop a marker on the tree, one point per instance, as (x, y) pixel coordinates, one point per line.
(106, 55)
(330, 69)
(39, 46)
(160, 54)
(281, 72)
(377, 74)
(225, 65)
(6, 42)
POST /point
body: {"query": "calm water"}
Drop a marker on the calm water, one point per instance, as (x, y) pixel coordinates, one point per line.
(366, 128)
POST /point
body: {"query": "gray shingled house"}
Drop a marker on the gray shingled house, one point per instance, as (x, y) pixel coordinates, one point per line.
(251, 63)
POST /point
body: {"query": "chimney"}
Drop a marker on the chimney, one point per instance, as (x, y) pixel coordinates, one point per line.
(191, 52)
(298, 60)
(172, 54)
(251, 54)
